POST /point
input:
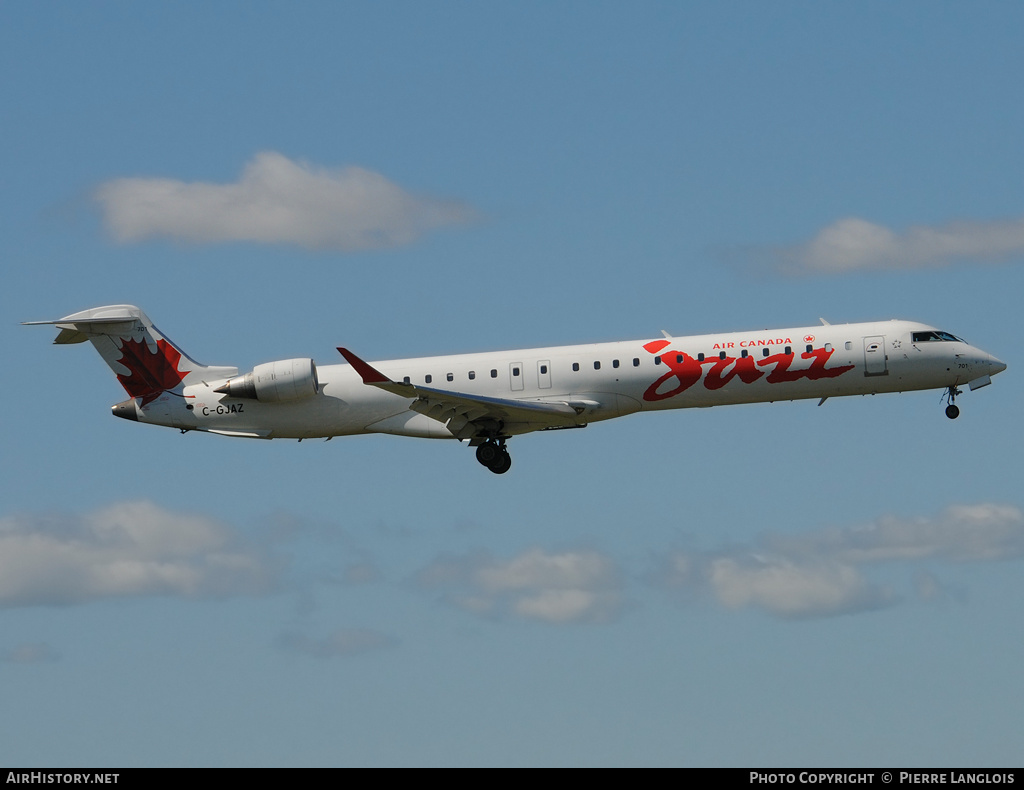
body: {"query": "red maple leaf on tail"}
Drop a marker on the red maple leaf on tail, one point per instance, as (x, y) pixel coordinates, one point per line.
(152, 372)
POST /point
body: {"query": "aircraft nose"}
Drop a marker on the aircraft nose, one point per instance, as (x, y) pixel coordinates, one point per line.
(995, 365)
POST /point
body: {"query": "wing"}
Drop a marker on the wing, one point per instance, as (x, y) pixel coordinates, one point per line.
(474, 416)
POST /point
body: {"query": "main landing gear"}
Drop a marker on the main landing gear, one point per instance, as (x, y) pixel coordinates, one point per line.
(952, 410)
(494, 456)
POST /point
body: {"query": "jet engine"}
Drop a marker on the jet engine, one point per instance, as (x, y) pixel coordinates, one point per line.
(274, 382)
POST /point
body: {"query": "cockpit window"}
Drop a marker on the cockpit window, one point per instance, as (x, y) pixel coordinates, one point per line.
(926, 337)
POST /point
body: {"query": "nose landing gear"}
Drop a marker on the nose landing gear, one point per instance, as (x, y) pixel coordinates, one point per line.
(952, 410)
(494, 456)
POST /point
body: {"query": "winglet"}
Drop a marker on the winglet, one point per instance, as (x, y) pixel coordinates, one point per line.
(369, 373)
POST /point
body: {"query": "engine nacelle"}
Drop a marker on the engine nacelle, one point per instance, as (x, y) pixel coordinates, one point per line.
(274, 382)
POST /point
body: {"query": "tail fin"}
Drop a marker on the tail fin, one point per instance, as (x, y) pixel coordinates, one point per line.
(145, 361)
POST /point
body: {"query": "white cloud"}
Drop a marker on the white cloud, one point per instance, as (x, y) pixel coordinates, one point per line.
(786, 588)
(340, 643)
(277, 200)
(822, 573)
(852, 244)
(126, 549)
(564, 587)
(566, 606)
(959, 533)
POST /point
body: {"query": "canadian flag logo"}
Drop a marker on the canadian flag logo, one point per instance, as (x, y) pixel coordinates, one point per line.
(152, 372)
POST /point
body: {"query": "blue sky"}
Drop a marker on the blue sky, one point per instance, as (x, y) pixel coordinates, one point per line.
(761, 585)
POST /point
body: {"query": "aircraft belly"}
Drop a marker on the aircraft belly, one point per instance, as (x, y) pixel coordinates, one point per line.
(316, 416)
(609, 405)
(409, 423)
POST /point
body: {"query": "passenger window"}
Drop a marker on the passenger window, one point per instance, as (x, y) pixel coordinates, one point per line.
(810, 348)
(428, 378)
(576, 366)
(765, 352)
(543, 370)
(636, 362)
(494, 373)
(828, 347)
(406, 380)
(450, 377)
(700, 357)
(789, 349)
(472, 375)
(515, 371)
(849, 346)
(743, 353)
(721, 355)
(657, 360)
(615, 363)
(597, 366)
(679, 358)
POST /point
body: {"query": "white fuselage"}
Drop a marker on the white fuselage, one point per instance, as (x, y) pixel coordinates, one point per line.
(600, 381)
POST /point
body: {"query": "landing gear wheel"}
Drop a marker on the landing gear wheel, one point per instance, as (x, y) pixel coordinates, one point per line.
(502, 463)
(487, 452)
(494, 456)
(952, 410)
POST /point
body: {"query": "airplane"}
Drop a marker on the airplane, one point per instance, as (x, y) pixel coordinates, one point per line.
(485, 399)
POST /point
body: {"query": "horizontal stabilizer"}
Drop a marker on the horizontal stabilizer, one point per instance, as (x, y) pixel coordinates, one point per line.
(68, 336)
(75, 328)
(72, 321)
(112, 314)
(142, 358)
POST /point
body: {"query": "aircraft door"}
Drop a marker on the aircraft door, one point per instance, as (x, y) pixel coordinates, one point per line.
(874, 356)
(515, 375)
(544, 374)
